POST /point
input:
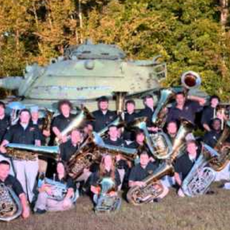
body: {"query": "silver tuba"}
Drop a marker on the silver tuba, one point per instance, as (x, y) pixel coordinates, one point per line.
(201, 176)
(30, 152)
(105, 202)
(10, 205)
(190, 80)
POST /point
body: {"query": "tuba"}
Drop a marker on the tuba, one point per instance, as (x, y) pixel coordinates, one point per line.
(223, 148)
(105, 202)
(201, 176)
(30, 152)
(120, 102)
(190, 80)
(10, 205)
(153, 188)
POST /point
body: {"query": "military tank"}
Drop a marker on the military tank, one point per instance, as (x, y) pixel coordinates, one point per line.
(83, 74)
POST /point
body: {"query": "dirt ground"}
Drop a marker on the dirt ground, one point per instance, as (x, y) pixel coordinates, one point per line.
(204, 212)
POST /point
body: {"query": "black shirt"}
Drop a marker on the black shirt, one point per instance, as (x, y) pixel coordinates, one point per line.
(17, 134)
(188, 112)
(102, 120)
(139, 174)
(68, 181)
(118, 142)
(61, 122)
(183, 165)
(207, 115)
(211, 138)
(67, 149)
(14, 184)
(128, 134)
(95, 178)
(147, 112)
(4, 124)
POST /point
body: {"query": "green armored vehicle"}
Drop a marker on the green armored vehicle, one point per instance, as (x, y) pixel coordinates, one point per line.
(85, 73)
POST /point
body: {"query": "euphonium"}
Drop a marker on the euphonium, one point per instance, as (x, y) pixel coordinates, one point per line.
(223, 148)
(10, 206)
(201, 176)
(30, 152)
(153, 188)
(159, 115)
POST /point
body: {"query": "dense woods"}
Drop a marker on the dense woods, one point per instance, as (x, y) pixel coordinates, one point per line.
(189, 34)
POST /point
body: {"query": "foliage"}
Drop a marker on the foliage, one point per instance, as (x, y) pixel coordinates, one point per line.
(187, 33)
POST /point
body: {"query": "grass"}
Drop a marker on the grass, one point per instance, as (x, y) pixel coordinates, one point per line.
(204, 212)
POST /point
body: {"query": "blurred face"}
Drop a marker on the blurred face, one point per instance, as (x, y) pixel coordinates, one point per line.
(130, 107)
(103, 105)
(140, 138)
(172, 128)
(191, 148)
(34, 116)
(180, 99)
(113, 133)
(65, 110)
(60, 169)
(144, 160)
(25, 117)
(2, 111)
(4, 171)
(76, 136)
(214, 102)
(216, 125)
(108, 162)
(149, 102)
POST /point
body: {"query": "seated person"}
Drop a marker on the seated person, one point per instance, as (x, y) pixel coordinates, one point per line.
(47, 201)
(106, 170)
(13, 183)
(141, 171)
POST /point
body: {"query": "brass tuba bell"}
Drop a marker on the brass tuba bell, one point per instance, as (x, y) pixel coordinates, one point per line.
(190, 80)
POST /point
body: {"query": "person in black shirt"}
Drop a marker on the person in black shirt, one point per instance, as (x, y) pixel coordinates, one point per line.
(142, 170)
(4, 121)
(211, 137)
(15, 185)
(172, 128)
(184, 164)
(185, 108)
(103, 116)
(61, 121)
(24, 133)
(210, 112)
(46, 198)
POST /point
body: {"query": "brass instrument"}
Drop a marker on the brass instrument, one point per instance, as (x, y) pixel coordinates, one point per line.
(120, 102)
(201, 176)
(10, 205)
(153, 188)
(190, 80)
(47, 121)
(105, 202)
(30, 152)
(223, 148)
(78, 121)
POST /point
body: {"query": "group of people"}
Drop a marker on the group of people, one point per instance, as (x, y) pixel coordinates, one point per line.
(28, 177)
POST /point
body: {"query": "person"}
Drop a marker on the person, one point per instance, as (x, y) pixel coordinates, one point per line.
(211, 137)
(210, 112)
(70, 147)
(141, 171)
(46, 198)
(185, 108)
(171, 130)
(4, 121)
(61, 121)
(103, 116)
(184, 164)
(14, 184)
(24, 133)
(106, 169)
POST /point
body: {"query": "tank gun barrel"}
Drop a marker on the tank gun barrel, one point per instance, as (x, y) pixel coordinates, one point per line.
(11, 83)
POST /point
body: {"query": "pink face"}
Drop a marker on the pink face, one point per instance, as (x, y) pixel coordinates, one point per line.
(75, 136)
(130, 108)
(172, 128)
(60, 169)
(108, 161)
(214, 102)
(65, 110)
(149, 102)
(140, 137)
(24, 117)
(180, 99)
(113, 132)
(35, 116)
(2, 111)
(4, 171)
(103, 105)
(144, 160)
(191, 148)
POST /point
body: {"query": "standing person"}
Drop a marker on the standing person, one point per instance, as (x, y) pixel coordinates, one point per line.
(185, 108)
(103, 116)
(24, 133)
(15, 185)
(46, 198)
(4, 121)
(210, 112)
(61, 121)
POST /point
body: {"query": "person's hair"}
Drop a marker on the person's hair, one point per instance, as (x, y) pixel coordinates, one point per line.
(24, 110)
(64, 102)
(172, 121)
(2, 104)
(102, 171)
(191, 142)
(130, 102)
(4, 162)
(112, 126)
(214, 97)
(148, 96)
(138, 132)
(144, 153)
(180, 93)
(215, 119)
